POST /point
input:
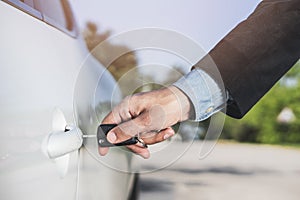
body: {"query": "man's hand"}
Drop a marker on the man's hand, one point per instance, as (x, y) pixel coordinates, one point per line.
(149, 115)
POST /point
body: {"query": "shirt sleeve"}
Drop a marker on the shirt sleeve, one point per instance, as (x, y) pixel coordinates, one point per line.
(203, 92)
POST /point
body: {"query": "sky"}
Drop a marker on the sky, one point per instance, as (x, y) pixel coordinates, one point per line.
(204, 21)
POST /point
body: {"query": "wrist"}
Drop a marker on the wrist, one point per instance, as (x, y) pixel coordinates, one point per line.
(185, 106)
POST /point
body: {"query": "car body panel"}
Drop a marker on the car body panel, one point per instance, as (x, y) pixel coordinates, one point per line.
(29, 94)
(39, 70)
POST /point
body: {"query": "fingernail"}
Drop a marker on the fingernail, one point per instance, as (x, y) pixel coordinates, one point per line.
(102, 151)
(145, 155)
(111, 137)
(168, 135)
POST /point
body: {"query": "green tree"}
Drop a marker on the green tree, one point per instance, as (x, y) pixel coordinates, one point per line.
(262, 123)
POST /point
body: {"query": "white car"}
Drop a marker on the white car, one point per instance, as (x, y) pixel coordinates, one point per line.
(53, 94)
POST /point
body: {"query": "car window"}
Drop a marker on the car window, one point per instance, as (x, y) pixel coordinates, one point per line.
(56, 13)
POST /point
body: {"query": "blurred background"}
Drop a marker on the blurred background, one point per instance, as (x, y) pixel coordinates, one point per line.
(273, 120)
(243, 164)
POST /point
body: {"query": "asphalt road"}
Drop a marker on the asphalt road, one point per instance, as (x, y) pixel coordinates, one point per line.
(230, 172)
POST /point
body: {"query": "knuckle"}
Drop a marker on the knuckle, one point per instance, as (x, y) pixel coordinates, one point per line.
(146, 120)
(127, 99)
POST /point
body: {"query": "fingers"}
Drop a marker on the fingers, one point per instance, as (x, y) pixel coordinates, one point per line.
(139, 150)
(148, 138)
(154, 137)
(103, 150)
(118, 115)
(143, 152)
(144, 123)
(143, 113)
(117, 135)
(121, 113)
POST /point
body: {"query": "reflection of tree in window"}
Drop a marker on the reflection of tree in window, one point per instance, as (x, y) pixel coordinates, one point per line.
(55, 12)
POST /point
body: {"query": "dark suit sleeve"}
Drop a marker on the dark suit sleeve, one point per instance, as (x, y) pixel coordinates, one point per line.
(257, 53)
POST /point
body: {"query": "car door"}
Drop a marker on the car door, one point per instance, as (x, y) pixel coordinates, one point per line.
(95, 94)
(38, 68)
(49, 86)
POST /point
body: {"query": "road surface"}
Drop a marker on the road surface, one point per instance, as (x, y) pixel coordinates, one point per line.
(230, 172)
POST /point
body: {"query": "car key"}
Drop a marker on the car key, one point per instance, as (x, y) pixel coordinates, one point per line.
(102, 132)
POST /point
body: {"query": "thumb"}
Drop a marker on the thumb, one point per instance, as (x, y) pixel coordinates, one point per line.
(131, 128)
(112, 137)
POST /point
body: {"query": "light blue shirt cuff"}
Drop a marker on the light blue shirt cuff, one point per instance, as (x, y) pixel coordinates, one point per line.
(203, 92)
